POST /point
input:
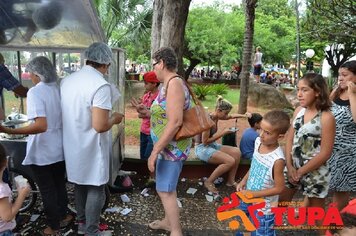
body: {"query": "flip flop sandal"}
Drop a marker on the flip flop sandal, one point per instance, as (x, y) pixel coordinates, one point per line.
(156, 225)
(211, 188)
(234, 184)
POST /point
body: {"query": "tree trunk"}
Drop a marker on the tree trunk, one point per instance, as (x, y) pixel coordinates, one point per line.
(247, 54)
(156, 25)
(169, 19)
(193, 63)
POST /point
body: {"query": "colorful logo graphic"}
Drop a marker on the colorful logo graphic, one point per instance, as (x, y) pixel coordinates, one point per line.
(297, 217)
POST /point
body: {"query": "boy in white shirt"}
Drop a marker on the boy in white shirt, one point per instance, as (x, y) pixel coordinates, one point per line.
(265, 179)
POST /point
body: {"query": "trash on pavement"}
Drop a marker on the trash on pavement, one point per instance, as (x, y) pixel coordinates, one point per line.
(209, 198)
(114, 209)
(125, 211)
(192, 191)
(125, 198)
(179, 203)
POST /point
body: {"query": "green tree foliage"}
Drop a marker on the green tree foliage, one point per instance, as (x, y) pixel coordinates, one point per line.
(127, 24)
(334, 23)
(214, 35)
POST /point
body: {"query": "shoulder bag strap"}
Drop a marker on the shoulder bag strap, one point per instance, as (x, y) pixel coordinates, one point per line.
(195, 99)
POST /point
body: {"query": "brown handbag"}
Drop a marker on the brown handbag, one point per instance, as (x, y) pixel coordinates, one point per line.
(195, 119)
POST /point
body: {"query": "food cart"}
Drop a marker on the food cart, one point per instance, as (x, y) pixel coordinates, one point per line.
(60, 30)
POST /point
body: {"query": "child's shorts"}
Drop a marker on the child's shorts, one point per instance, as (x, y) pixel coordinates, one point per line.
(313, 184)
(167, 174)
(205, 152)
(266, 223)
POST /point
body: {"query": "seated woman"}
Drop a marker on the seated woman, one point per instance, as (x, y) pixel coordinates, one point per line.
(207, 149)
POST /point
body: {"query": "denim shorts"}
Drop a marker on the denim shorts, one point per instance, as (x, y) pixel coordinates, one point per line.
(266, 223)
(7, 233)
(205, 152)
(167, 174)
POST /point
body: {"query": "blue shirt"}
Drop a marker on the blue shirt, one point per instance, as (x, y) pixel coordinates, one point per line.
(7, 80)
(247, 143)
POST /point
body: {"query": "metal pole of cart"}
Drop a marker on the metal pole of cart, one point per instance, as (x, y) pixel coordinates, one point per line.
(21, 108)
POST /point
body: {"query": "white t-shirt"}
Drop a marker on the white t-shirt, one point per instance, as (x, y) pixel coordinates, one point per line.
(5, 191)
(86, 151)
(43, 100)
(258, 58)
(261, 173)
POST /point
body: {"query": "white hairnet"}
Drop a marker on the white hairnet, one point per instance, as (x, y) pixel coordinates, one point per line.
(99, 53)
(43, 68)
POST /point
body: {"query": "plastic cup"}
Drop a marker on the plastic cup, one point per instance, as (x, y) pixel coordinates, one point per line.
(21, 182)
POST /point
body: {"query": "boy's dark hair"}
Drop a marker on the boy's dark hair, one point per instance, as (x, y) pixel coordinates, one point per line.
(318, 84)
(255, 118)
(2, 157)
(94, 64)
(349, 221)
(278, 119)
(168, 56)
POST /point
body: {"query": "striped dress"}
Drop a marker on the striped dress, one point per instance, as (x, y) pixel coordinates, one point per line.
(343, 159)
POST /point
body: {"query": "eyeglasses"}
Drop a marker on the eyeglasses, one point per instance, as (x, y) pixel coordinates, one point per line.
(153, 65)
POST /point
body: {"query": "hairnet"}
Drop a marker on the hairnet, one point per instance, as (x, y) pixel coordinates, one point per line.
(99, 53)
(43, 68)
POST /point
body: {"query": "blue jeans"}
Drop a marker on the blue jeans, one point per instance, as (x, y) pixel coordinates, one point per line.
(7, 233)
(89, 200)
(266, 223)
(146, 146)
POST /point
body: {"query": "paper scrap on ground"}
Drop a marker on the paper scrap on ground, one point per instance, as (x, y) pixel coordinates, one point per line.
(125, 211)
(183, 179)
(125, 198)
(144, 192)
(114, 209)
(179, 203)
(34, 217)
(209, 198)
(200, 183)
(219, 180)
(192, 191)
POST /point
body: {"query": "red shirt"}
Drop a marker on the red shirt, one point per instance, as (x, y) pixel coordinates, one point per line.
(147, 100)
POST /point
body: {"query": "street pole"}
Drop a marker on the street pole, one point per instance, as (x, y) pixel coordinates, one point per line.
(298, 38)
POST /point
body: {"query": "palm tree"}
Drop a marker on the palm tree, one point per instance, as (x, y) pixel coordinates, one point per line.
(125, 21)
(250, 6)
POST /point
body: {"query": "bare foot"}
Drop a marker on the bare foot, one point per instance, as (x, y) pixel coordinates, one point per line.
(159, 224)
(210, 187)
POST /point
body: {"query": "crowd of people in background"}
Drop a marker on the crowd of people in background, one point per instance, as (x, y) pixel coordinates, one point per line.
(319, 153)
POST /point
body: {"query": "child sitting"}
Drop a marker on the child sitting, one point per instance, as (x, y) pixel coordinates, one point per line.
(265, 178)
(8, 210)
(247, 143)
(207, 149)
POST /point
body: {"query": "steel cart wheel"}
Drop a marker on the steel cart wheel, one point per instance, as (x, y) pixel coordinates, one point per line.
(31, 199)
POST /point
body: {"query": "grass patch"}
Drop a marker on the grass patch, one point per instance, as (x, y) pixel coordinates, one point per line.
(233, 96)
(132, 127)
(12, 101)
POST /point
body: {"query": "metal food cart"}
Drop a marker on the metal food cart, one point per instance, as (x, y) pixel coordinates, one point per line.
(63, 28)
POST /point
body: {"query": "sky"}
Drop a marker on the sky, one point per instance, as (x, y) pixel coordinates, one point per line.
(209, 2)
